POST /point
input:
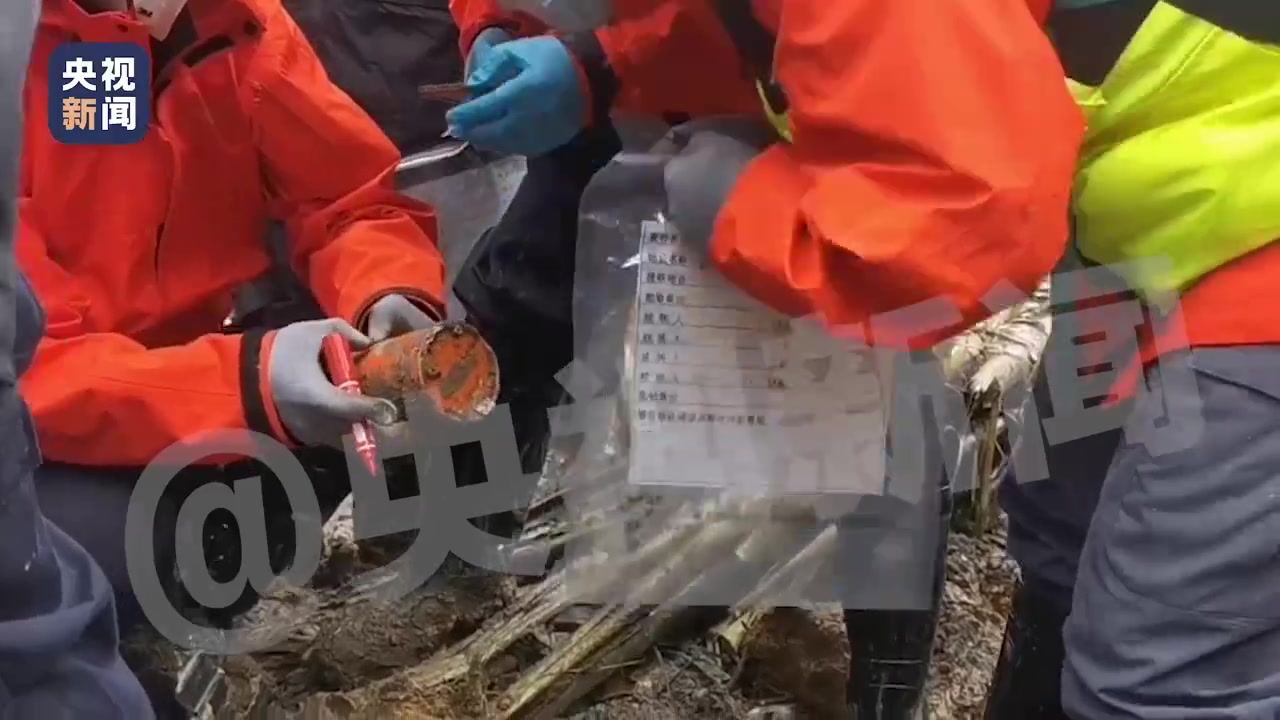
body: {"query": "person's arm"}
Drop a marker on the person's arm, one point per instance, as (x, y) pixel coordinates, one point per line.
(933, 156)
(664, 56)
(17, 27)
(101, 398)
(474, 16)
(330, 174)
(655, 57)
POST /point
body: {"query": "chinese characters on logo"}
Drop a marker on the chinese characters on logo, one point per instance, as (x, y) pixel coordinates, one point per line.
(99, 93)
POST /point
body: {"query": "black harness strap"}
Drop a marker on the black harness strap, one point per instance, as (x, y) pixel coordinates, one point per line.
(182, 36)
(1256, 20)
(755, 46)
(1090, 40)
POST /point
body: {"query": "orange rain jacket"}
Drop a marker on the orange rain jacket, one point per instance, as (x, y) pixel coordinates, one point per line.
(135, 250)
(933, 146)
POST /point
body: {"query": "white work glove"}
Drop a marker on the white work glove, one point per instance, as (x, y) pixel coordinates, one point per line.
(395, 315)
(312, 409)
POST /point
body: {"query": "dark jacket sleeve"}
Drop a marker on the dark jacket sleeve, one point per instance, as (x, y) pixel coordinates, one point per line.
(58, 634)
(17, 26)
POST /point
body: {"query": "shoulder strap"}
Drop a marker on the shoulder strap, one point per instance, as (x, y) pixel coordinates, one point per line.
(1091, 38)
(1092, 34)
(755, 46)
(1256, 20)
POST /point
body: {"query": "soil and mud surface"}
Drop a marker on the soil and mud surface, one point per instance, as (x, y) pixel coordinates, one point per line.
(346, 657)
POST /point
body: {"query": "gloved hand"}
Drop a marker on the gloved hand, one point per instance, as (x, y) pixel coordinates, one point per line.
(310, 406)
(394, 315)
(700, 177)
(529, 99)
(482, 47)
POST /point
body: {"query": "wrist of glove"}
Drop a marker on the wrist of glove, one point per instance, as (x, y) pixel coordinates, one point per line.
(482, 47)
(395, 315)
(311, 408)
(710, 156)
(529, 98)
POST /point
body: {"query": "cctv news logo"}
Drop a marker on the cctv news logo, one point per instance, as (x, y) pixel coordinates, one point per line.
(439, 513)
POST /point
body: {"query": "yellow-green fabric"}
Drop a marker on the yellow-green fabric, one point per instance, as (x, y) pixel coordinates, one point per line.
(779, 120)
(1181, 161)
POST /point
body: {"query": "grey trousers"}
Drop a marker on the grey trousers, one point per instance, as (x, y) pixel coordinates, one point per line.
(1164, 541)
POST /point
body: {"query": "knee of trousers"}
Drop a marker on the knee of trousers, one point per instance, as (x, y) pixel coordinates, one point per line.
(92, 505)
(1175, 608)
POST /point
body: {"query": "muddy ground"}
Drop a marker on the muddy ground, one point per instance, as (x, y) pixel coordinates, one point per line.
(344, 661)
(347, 662)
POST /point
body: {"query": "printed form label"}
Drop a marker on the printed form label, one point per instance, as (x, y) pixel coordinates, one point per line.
(727, 394)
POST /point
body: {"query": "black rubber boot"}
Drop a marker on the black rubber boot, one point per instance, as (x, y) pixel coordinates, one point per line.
(890, 654)
(889, 662)
(891, 650)
(1028, 678)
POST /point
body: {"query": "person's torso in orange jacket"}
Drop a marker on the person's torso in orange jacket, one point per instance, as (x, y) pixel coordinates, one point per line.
(931, 151)
(931, 154)
(164, 229)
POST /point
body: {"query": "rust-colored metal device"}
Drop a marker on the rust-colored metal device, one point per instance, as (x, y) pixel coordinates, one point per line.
(449, 364)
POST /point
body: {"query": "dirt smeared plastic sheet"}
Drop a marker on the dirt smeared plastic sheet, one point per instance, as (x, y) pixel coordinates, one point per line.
(797, 533)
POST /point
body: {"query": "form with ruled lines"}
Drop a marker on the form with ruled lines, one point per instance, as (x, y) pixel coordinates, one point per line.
(716, 405)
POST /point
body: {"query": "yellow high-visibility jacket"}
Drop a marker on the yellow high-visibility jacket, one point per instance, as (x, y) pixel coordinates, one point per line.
(1180, 165)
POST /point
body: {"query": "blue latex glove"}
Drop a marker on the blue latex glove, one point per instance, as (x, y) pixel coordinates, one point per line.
(483, 46)
(395, 315)
(529, 99)
(700, 177)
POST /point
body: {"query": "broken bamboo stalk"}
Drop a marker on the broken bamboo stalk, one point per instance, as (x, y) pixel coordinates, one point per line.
(630, 644)
(546, 685)
(730, 634)
(798, 571)
(405, 693)
(635, 638)
(534, 607)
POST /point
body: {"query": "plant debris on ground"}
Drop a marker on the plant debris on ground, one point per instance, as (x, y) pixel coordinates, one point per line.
(482, 645)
